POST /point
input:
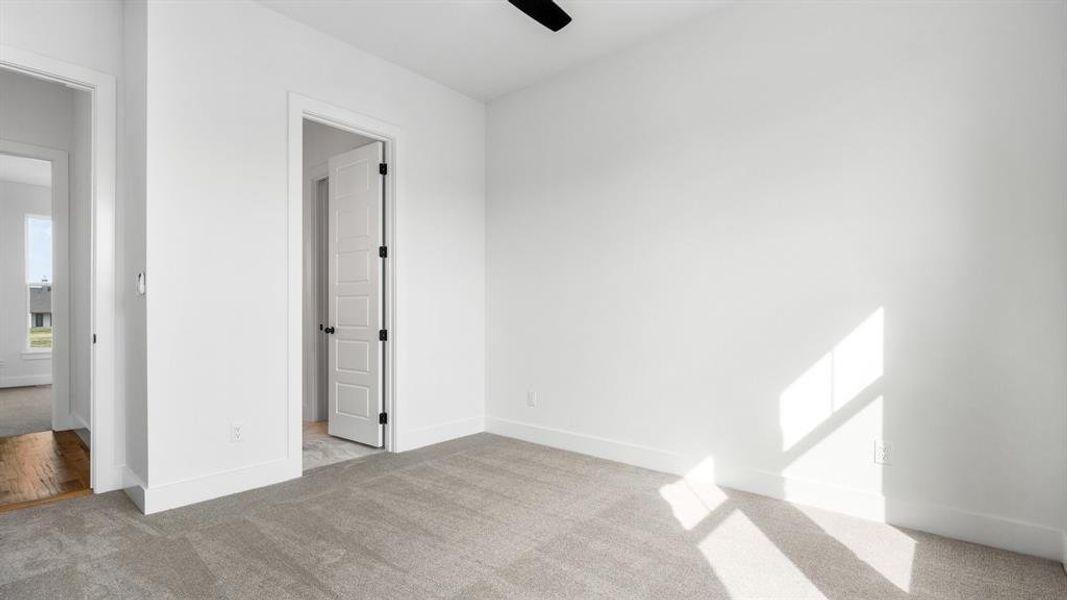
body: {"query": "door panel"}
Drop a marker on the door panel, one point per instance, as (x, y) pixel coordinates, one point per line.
(355, 293)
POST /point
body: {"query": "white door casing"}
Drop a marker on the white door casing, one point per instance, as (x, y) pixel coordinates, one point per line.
(107, 469)
(355, 294)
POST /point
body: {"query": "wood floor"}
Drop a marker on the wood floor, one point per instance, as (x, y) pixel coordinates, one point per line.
(39, 468)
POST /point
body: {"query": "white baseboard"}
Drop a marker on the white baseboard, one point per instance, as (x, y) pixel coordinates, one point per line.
(153, 499)
(26, 380)
(631, 454)
(989, 530)
(130, 478)
(136, 495)
(133, 485)
(435, 434)
(173, 495)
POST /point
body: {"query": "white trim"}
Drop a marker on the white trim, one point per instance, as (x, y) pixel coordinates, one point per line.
(131, 479)
(990, 530)
(26, 380)
(133, 485)
(631, 454)
(105, 473)
(136, 495)
(1063, 556)
(302, 107)
(165, 497)
(979, 528)
(442, 432)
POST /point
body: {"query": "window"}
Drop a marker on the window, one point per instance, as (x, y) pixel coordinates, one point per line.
(39, 282)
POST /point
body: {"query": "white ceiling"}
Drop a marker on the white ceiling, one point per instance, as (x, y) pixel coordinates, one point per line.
(486, 48)
(18, 169)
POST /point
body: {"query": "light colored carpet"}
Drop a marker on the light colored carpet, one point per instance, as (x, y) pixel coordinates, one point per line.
(490, 517)
(25, 410)
(321, 449)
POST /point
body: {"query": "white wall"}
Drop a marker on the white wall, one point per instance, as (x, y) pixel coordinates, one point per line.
(80, 245)
(34, 111)
(217, 249)
(784, 232)
(322, 141)
(17, 200)
(131, 309)
(86, 33)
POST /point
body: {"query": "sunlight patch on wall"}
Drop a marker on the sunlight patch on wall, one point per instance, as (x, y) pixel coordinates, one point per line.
(833, 381)
(844, 456)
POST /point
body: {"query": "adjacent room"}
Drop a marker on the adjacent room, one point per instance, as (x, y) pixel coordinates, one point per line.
(340, 299)
(45, 404)
(26, 218)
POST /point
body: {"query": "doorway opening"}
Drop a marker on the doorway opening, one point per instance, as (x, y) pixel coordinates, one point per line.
(45, 291)
(345, 254)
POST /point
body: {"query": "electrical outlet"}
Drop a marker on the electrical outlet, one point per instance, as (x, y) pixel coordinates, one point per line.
(236, 434)
(881, 452)
(531, 399)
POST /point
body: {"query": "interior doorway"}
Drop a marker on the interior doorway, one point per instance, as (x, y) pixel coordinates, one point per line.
(45, 291)
(26, 293)
(345, 255)
(96, 117)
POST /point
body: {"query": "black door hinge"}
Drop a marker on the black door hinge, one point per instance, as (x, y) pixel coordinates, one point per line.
(383, 169)
(383, 335)
(383, 251)
(94, 338)
(383, 418)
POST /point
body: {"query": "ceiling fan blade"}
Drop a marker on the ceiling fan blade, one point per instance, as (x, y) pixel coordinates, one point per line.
(545, 12)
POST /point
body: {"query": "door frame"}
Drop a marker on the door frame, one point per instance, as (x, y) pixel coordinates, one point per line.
(105, 474)
(303, 107)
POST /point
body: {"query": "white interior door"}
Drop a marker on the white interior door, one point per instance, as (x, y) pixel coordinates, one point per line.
(354, 376)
